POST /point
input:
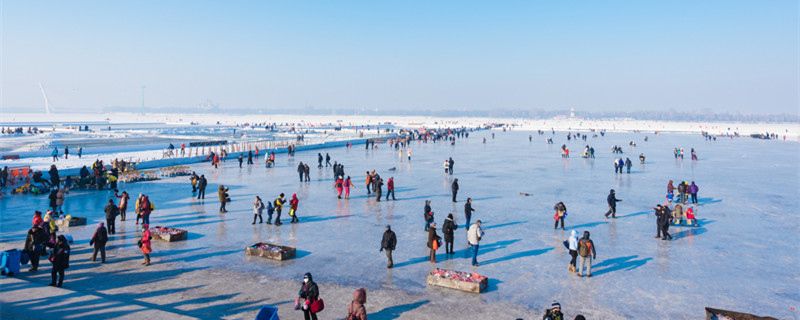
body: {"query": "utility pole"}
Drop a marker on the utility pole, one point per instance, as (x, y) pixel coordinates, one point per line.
(143, 99)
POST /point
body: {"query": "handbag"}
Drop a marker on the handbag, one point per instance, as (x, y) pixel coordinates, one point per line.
(24, 257)
(317, 306)
(435, 244)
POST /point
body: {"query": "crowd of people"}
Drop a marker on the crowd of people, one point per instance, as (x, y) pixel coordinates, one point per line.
(582, 250)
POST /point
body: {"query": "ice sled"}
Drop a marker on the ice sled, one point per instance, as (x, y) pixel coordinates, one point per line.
(685, 223)
(168, 234)
(271, 251)
(459, 280)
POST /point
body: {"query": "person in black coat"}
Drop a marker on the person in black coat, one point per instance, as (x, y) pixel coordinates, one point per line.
(34, 245)
(201, 187)
(612, 204)
(450, 163)
(241, 160)
(663, 223)
(310, 293)
(468, 211)
(388, 243)
(60, 260)
(301, 170)
(99, 240)
(111, 211)
(379, 189)
(658, 212)
(250, 157)
(319, 160)
(55, 179)
(448, 228)
(54, 200)
(454, 186)
(428, 215)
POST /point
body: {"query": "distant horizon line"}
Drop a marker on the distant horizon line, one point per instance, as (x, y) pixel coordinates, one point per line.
(670, 115)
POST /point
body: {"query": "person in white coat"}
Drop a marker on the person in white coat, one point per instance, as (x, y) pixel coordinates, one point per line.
(573, 250)
(474, 237)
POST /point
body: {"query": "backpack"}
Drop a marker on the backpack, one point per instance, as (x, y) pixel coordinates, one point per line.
(102, 237)
(584, 248)
(352, 315)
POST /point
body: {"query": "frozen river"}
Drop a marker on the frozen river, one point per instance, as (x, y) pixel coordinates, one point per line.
(744, 257)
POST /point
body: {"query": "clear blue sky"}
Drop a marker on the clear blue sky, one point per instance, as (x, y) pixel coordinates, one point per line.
(592, 55)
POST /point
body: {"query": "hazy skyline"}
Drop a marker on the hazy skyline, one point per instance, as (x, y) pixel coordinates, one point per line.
(728, 56)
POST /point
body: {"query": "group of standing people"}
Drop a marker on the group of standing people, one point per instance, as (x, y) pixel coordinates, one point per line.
(619, 164)
(685, 190)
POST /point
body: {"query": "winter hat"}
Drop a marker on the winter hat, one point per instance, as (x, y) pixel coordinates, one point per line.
(580, 317)
(389, 227)
(100, 225)
(612, 191)
(556, 305)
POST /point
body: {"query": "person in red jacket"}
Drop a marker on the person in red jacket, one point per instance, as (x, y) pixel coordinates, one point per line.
(293, 210)
(390, 189)
(339, 186)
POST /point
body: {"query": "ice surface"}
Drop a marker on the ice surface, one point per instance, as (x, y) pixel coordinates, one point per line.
(744, 257)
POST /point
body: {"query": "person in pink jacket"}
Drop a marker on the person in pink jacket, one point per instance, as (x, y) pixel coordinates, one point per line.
(146, 248)
(347, 185)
